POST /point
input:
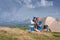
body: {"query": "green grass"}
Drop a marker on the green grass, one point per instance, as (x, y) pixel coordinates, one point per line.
(6, 37)
(34, 36)
(21, 27)
(24, 28)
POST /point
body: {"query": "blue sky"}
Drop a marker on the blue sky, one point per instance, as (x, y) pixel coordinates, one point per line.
(19, 10)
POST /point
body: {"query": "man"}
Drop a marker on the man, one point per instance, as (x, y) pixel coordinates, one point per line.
(38, 25)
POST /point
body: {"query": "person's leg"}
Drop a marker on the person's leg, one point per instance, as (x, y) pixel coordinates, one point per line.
(40, 29)
(46, 28)
(30, 29)
(37, 30)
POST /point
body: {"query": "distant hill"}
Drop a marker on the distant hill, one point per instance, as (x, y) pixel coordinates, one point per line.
(27, 21)
(16, 23)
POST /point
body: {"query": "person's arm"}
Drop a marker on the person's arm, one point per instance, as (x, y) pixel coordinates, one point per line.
(36, 22)
(40, 23)
(37, 30)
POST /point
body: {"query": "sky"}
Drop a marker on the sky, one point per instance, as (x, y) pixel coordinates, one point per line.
(19, 10)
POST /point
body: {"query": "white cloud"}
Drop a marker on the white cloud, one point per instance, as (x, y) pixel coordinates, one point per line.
(28, 3)
(46, 3)
(42, 3)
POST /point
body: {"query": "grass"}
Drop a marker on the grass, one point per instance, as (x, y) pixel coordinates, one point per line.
(19, 33)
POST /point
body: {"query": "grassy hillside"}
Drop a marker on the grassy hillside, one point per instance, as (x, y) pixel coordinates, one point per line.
(20, 33)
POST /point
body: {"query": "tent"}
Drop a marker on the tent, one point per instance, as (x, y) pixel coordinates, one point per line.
(53, 23)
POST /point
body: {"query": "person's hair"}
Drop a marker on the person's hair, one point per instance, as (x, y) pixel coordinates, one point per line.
(34, 19)
(37, 18)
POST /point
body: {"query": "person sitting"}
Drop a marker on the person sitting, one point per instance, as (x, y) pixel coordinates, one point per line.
(38, 25)
(31, 26)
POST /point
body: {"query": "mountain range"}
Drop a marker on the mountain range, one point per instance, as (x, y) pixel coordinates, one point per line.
(24, 22)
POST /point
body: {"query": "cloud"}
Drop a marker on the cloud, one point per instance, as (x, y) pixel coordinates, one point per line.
(37, 3)
(25, 3)
(9, 13)
(46, 3)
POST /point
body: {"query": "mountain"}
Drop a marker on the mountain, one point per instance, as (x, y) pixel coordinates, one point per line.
(16, 23)
(46, 20)
(27, 21)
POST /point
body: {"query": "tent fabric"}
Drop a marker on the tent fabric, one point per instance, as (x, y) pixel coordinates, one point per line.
(53, 23)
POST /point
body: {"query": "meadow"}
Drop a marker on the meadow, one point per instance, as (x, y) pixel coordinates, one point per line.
(21, 33)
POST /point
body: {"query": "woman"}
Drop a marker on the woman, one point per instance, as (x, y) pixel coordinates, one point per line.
(31, 26)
